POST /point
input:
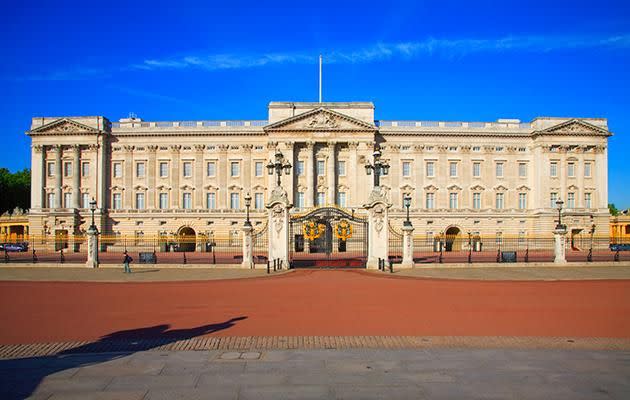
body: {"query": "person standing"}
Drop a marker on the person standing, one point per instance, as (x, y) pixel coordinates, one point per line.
(126, 261)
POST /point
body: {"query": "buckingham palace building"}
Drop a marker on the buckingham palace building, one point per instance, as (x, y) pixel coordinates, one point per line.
(156, 178)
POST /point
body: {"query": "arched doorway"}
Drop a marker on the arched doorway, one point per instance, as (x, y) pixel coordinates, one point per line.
(453, 239)
(186, 239)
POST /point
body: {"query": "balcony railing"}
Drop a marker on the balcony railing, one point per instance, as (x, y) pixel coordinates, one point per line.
(188, 124)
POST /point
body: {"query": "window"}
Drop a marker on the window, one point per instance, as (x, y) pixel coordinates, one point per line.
(235, 168)
(406, 168)
(299, 200)
(299, 168)
(140, 170)
(341, 199)
(234, 201)
(67, 168)
(258, 168)
(163, 201)
(499, 200)
(553, 197)
(430, 169)
(85, 169)
(259, 202)
(187, 200)
(211, 168)
(499, 170)
(476, 201)
(452, 200)
(429, 238)
(452, 169)
(430, 201)
(67, 200)
(187, 169)
(85, 200)
(117, 170)
(140, 201)
(117, 201)
(211, 201)
(341, 168)
(51, 200)
(587, 170)
(321, 198)
(522, 201)
(553, 169)
(321, 167)
(522, 170)
(50, 168)
(571, 170)
(587, 200)
(570, 200)
(163, 169)
(476, 169)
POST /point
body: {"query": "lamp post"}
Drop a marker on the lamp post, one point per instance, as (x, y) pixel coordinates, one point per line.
(278, 165)
(590, 250)
(248, 203)
(559, 204)
(380, 167)
(469, 247)
(92, 209)
(407, 203)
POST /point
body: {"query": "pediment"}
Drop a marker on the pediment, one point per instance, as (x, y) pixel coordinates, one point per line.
(430, 188)
(259, 187)
(320, 119)
(164, 187)
(407, 188)
(454, 187)
(572, 187)
(477, 188)
(235, 187)
(500, 188)
(140, 187)
(187, 187)
(574, 127)
(64, 126)
(523, 188)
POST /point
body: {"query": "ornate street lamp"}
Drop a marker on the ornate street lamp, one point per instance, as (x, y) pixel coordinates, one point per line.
(92, 209)
(559, 204)
(279, 164)
(379, 167)
(469, 247)
(248, 202)
(592, 232)
(407, 203)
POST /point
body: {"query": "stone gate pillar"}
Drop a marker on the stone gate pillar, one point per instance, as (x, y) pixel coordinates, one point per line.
(92, 250)
(248, 253)
(559, 235)
(378, 227)
(278, 213)
(407, 258)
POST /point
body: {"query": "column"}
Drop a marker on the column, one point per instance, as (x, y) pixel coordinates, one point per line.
(38, 176)
(223, 171)
(175, 198)
(198, 177)
(128, 178)
(309, 196)
(331, 172)
(353, 179)
(151, 174)
(407, 261)
(58, 171)
(290, 180)
(76, 177)
(247, 168)
(102, 172)
(394, 174)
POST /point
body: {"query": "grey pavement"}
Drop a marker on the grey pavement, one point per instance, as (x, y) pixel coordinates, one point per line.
(321, 374)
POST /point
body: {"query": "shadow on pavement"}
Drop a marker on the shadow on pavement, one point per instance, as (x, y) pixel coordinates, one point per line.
(19, 378)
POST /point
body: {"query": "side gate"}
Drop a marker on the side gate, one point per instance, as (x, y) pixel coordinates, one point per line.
(328, 237)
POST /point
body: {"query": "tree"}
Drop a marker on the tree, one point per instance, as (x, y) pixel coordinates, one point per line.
(613, 210)
(15, 190)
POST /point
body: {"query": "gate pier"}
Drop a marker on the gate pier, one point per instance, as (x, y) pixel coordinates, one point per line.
(278, 214)
(378, 231)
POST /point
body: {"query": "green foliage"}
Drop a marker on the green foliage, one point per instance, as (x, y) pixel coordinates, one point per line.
(613, 210)
(15, 190)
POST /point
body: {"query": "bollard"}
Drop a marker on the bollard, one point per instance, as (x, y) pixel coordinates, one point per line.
(6, 256)
(154, 257)
(62, 258)
(34, 256)
(498, 255)
(185, 261)
(214, 257)
(617, 255)
(274, 264)
(469, 257)
(391, 267)
(268, 267)
(589, 257)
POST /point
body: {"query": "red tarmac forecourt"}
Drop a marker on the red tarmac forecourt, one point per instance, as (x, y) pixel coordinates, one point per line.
(314, 303)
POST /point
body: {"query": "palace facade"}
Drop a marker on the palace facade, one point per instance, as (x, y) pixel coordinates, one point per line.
(169, 178)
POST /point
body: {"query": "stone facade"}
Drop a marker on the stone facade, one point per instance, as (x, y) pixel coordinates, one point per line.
(157, 178)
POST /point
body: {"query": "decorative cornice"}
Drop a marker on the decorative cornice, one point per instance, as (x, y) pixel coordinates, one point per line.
(320, 119)
(63, 126)
(573, 127)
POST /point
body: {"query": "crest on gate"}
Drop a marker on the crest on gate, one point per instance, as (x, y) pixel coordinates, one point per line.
(313, 230)
(343, 230)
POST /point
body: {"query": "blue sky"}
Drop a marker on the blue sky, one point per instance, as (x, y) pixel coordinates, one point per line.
(442, 60)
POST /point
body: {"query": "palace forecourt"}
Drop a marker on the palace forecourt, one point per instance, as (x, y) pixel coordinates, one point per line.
(186, 186)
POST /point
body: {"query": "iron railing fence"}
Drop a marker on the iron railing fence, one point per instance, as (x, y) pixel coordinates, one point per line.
(260, 244)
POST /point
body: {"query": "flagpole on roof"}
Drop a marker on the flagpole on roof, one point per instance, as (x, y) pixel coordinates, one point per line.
(320, 78)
